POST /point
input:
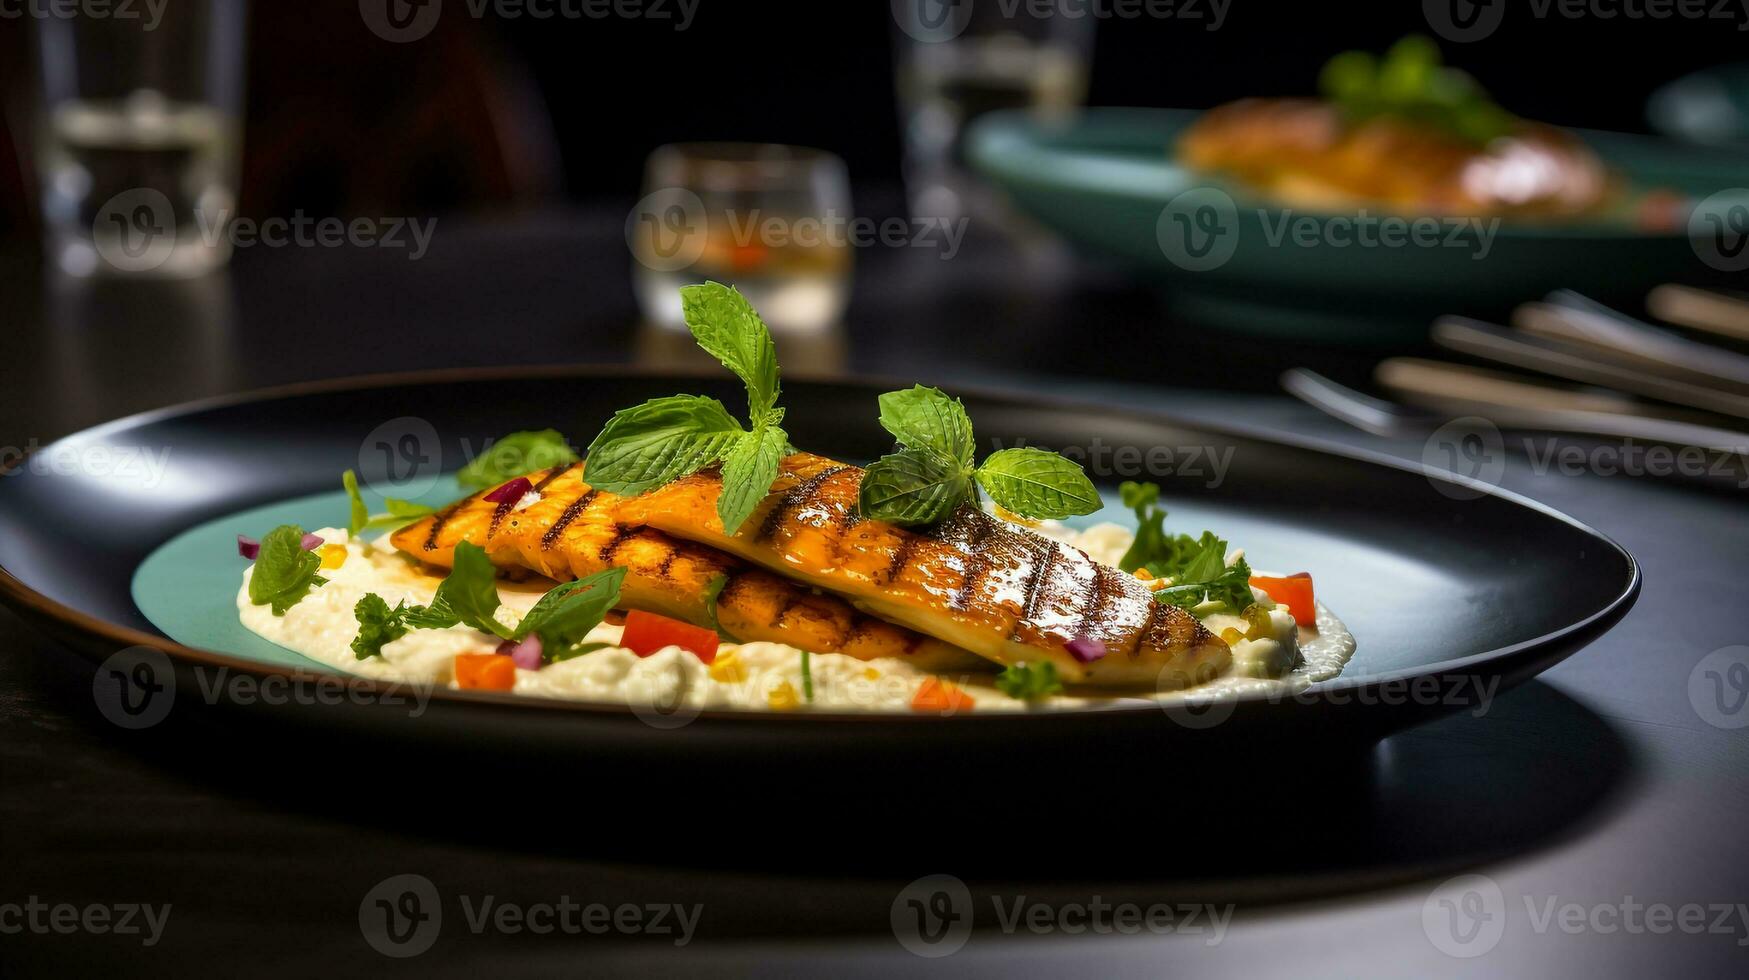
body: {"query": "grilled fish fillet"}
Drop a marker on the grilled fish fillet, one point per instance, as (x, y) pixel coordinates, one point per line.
(571, 532)
(977, 582)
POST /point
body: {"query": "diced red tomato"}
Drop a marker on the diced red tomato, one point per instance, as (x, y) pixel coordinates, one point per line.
(646, 632)
(485, 671)
(936, 694)
(1294, 592)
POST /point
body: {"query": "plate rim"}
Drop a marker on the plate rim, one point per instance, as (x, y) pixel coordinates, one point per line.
(21, 596)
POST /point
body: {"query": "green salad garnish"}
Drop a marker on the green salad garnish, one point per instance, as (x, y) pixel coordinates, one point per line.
(1196, 566)
(1029, 682)
(1410, 83)
(517, 454)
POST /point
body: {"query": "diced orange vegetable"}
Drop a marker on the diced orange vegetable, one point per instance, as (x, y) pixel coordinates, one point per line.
(485, 671)
(936, 694)
(1294, 592)
(646, 632)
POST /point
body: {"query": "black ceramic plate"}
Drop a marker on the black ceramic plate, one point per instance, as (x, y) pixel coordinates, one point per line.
(1454, 591)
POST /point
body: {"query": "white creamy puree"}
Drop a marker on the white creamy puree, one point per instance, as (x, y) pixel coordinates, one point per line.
(322, 627)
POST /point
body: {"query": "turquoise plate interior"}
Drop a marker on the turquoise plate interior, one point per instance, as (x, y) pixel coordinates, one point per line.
(188, 587)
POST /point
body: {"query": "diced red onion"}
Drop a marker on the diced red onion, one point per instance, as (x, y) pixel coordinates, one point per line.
(248, 547)
(527, 653)
(1085, 649)
(511, 491)
(311, 542)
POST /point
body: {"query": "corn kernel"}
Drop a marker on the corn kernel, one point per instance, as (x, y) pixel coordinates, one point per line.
(782, 698)
(728, 669)
(333, 555)
(872, 674)
(1232, 636)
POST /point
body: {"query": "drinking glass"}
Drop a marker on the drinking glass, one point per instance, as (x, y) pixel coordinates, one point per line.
(773, 221)
(137, 136)
(957, 60)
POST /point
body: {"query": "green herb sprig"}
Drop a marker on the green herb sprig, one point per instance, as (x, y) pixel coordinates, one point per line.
(1197, 566)
(1029, 682)
(664, 439)
(469, 596)
(284, 572)
(935, 469)
(400, 512)
(1409, 82)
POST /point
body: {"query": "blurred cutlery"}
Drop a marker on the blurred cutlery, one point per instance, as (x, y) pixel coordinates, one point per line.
(1725, 314)
(1576, 363)
(1568, 317)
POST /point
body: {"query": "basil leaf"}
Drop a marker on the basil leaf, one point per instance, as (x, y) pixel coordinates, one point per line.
(1038, 484)
(749, 470)
(926, 418)
(730, 330)
(660, 441)
(914, 486)
(284, 572)
(1029, 682)
(377, 625)
(565, 615)
(517, 454)
(571, 653)
(471, 591)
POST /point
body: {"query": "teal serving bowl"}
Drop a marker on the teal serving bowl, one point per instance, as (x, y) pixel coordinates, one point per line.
(1105, 181)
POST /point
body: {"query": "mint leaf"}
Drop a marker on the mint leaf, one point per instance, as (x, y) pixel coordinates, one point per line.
(437, 616)
(565, 615)
(1029, 682)
(284, 572)
(517, 454)
(377, 625)
(749, 470)
(660, 441)
(730, 330)
(400, 511)
(913, 486)
(470, 592)
(571, 653)
(1037, 484)
(926, 418)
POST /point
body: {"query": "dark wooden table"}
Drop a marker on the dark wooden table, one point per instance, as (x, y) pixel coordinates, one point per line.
(1598, 786)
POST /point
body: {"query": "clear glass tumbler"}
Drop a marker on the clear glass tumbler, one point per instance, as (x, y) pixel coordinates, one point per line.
(773, 221)
(138, 134)
(958, 60)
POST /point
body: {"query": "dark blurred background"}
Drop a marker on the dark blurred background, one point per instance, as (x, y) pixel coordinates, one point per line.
(495, 111)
